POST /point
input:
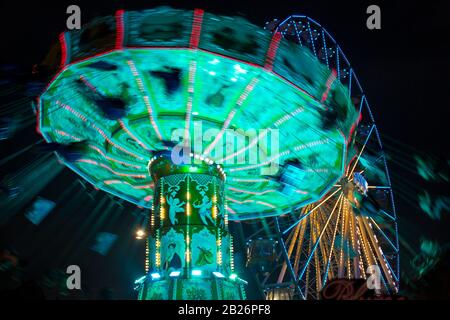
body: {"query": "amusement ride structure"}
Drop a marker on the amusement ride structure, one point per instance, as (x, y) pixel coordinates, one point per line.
(205, 119)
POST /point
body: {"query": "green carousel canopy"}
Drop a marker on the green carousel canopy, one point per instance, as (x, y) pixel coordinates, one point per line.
(266, 110)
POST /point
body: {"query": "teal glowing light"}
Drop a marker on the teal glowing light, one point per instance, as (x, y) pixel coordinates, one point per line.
(140, 280)
(275, 96)
(155, 276)
(175, 274)
(218, 274)
(196, 272)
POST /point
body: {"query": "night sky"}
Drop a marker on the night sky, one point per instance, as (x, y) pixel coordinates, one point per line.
(403, 68)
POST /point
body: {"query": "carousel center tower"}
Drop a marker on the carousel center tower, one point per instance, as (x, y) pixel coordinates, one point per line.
(189, 248)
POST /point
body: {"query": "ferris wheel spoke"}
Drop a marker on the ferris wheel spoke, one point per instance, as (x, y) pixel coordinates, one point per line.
(308, 267)
(326, 52)
(286, 258)
(335, 254)
(317, 241)
(356, 248)
(310, 211)
(297, 33)
(384, 234)
(381, 156)
(392, 273)
(316, 253)
(292, 243)
(326, 252)
(366, 250)
(388, 215)
(313, 261)
(362, 149)
(379, 187)
(384, 281)
(343, 233)
(385, 262)
(375, 263)
(299, 246)
(378, 253)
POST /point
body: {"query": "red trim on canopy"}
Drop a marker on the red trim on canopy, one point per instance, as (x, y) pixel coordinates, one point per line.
(272, 51)
(63, 43)
(196, 28)
(119, 29)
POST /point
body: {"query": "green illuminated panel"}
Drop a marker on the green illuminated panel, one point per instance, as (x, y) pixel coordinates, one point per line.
(214, 93)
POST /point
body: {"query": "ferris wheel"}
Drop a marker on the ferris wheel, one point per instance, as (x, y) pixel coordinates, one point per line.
(351, 230)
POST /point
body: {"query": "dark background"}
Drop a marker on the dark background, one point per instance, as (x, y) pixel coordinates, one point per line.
(403, 68)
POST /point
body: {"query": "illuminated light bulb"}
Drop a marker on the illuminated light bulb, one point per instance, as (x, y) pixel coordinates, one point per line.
(155, 276)
(175, 274)
(196, 272)
(140, 280)
(218, 274)
(140, 234)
